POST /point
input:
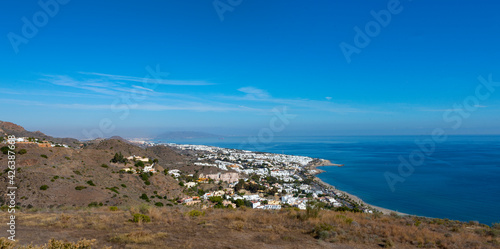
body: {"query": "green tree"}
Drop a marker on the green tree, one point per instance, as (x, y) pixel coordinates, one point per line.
(219, 205)
(248, 203)
(118, 158)
(5, 150)
(215, 199)
(255, 178)
(239, 203)
(240, 185)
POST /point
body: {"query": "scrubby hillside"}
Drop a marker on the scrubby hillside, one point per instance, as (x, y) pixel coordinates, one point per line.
(49, 177)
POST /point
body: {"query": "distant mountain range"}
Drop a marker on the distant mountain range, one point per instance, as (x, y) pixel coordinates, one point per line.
(179, 135)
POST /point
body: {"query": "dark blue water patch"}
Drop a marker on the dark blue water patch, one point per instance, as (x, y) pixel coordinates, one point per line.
(460, 180)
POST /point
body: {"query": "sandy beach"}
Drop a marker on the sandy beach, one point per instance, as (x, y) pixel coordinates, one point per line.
(324, 163)
(360, 201)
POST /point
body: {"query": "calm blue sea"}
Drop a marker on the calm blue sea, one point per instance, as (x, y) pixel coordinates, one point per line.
(459, 180)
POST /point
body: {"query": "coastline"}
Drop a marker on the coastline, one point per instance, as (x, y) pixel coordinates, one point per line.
(327, 163)
(355, 198)
(317, 163)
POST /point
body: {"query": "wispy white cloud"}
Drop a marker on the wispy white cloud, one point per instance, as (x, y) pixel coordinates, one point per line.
(55, 105)
(119, 86)
(101, 86)
(249, 99)
(150, 80)
(445, 109)
(52, 93)
(200, 107)
(142, 88)
(261, 96)
(435, 110)
(254, 93)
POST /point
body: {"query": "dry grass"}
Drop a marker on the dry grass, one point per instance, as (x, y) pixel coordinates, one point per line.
(139, 237)
(98, 219)
(52, 244)
(249, 228)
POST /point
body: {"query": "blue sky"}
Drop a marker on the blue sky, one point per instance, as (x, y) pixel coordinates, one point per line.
(154, 66)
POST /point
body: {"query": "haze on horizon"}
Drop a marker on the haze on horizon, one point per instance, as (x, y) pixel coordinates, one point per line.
(141, 69)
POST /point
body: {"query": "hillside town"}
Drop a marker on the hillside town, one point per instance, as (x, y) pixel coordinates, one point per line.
(257, 180)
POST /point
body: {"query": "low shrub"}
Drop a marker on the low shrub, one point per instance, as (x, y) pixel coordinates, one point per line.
(44, 156)
(322, 231)
(196, 213)
(80, 187)
(113, 208)
(312, 211)
(144, 208)
(114, 189)
(81, 244)
(141, 218)
(388, 243)
(348, 221)
(144, 197)
(93, 204)
(44, 187)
